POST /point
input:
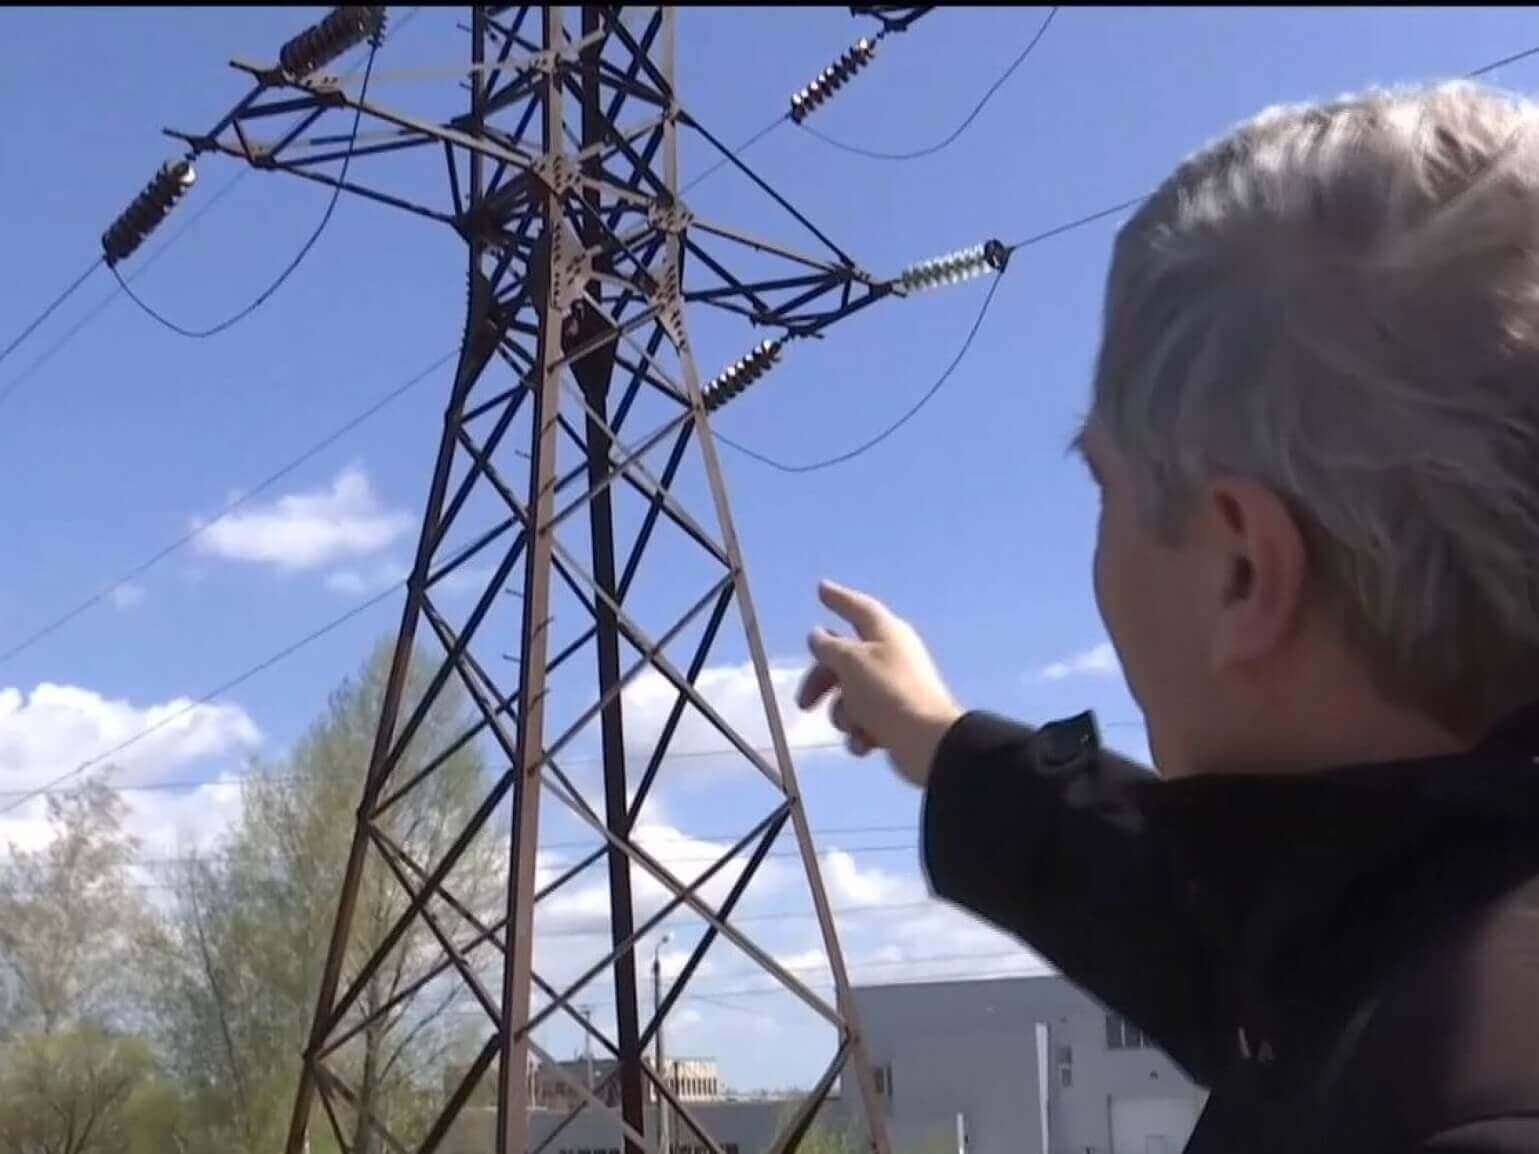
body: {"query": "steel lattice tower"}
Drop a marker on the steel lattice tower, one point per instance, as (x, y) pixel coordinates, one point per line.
(562, 182)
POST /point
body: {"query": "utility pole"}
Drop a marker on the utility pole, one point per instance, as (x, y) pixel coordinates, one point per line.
(587, 1041)
(663, 1129)
(561, 182)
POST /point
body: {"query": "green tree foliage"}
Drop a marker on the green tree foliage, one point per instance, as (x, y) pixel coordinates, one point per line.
(238, 963)
(68, 914)
(84, 1091)
(71, 1080)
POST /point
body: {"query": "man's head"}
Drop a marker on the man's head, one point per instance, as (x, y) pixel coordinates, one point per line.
(1316, 422)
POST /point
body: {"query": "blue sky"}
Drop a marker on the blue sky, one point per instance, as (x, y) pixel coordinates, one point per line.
(130, 434)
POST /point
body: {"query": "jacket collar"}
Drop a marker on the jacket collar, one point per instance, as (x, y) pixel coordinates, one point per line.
(1306, 886)
(1256, 824)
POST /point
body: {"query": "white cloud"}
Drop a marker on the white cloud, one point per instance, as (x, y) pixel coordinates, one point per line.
(173, 824)
(309, 530)
(850, 885)
(1100, 661)
(583, 904)
(355, 581)
(733, 692)
(127, 595)
(813, 958)
(366, 582)
(466, 579)
(56, 728)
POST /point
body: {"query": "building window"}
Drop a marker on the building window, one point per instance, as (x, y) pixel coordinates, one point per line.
(882, 1075)
(1121, 1034)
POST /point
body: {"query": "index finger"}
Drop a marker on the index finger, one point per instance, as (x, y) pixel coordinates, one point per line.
(861, 610)
(816, 685)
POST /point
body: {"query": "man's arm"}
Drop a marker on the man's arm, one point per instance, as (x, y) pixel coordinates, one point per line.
(1062, 858)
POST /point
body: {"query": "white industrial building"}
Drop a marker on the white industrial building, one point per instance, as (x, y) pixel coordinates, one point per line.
(1025, 1065)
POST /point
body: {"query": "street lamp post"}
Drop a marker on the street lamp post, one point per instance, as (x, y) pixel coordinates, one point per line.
(662, 1070)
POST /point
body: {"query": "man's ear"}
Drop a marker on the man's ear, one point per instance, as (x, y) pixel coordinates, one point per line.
(1260, 569)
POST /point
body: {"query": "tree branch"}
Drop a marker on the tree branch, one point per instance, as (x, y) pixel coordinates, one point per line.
(216, 991)
(416, 1030)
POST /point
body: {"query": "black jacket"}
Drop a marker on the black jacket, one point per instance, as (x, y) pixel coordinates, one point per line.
(1347, 960)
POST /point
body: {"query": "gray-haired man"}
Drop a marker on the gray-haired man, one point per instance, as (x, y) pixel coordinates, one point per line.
(1315, 428)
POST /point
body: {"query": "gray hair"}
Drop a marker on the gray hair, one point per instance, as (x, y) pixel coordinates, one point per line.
(1341, 301)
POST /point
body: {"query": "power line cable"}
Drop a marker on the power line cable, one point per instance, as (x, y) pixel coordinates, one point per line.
(873, 442)
(304, 251)
(1025, 242)
(773, 991)
(102, 304)
(709, 993)
(49, 311)
(592, 843)
(143, 266)
(736, 153)
(956, 133)
(245, 497)
(279, 779)
(1080, 222)
(1502, 63)
(559, 863)
(206, 698)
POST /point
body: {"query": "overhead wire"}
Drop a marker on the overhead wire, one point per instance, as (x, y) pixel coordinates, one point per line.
(203, 699)
(140, 268)
(293, 265)
(49, 311)
(736, 152)
(956, 133)
(103, 303)
(243, 498)
(558, 863)
(1025, 242)
(883, 963)
(929, 395)
(1484, 69)
(280, 778)
(872, 442)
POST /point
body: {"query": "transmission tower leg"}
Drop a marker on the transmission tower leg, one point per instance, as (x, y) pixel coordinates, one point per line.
(852, 1044)
(594, 374)
(474, 354)
(513, 1096)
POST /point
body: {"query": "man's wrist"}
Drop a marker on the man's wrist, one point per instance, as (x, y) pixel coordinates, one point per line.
(917, 758)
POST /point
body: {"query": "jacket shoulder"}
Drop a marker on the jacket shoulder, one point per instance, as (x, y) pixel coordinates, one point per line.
(1452, 1047)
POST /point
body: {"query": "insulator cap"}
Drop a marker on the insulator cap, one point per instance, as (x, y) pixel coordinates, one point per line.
(149, 208)
(320, 44)
(832, 78)
(741, 373)
(955, 267)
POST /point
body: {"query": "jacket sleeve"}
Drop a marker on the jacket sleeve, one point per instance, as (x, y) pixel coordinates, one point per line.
(1063, 858)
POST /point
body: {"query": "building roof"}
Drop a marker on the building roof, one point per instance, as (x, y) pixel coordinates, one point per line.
(972, 1004)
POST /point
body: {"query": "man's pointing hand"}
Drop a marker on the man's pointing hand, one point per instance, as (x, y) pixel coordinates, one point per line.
(887, 693)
